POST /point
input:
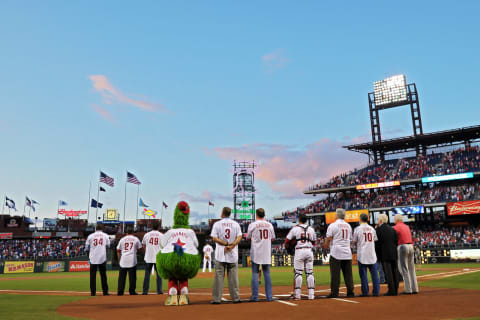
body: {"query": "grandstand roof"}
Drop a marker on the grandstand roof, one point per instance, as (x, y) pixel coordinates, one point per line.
(427, 140)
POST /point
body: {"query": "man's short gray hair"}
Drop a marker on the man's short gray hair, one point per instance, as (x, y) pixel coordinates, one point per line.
(383, 218)
(340, 213)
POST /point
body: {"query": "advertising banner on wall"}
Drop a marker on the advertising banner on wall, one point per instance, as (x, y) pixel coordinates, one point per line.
(463, 207)
(6, 235)
(350, 215)
(465, 255)
(54, 266)
(19, 266)
(76, 266)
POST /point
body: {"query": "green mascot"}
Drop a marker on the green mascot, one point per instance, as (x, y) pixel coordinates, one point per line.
(179, 259)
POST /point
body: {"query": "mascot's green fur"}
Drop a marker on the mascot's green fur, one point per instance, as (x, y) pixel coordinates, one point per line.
(173, 263)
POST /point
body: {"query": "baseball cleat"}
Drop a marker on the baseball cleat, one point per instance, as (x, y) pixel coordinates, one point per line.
(183, 300)
(172, 301)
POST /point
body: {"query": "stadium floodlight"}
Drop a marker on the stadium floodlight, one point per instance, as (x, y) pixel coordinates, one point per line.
(391, 90)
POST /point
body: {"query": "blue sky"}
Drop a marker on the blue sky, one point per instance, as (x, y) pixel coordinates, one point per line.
(174, 91)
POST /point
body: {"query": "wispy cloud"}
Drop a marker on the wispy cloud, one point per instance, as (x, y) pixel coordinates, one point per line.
(105, 114)
(112, 95)
(274, 60)
(289, 169)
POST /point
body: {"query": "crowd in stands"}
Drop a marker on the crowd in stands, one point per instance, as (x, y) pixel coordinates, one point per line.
(447, 236)
(391, 198)
(41, 249)
(457, 161)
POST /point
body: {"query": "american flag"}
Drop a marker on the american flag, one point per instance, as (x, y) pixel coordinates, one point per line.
(106, 179)
(131, 178)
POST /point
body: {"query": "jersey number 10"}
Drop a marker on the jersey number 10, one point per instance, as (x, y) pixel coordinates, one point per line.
(263, 234)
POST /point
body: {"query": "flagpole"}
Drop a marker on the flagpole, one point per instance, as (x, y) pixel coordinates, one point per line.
(29, 210)
(138, 196)
(88, 204)
(208, 211)
(58, 207)
(124, 207)
(3, 204)
(98, 201)
(24, 206)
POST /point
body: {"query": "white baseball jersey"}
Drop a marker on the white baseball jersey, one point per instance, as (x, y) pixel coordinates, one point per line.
(302, 231)
(341, 232)
(227, 230)
(152, 241)
(261, 234)
(207, 251)
(186, 238)
(128, 246)
(97, 244)
(365, 237)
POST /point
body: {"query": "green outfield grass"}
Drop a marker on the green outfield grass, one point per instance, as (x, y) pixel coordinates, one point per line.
(21, 307)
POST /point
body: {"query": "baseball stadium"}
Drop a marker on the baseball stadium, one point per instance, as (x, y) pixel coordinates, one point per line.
(383, 225)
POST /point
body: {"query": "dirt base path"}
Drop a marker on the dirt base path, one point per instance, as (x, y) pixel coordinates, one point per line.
(431, 303)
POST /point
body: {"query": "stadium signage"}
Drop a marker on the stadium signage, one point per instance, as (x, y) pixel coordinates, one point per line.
(53, 266)
(6, 235)
(378, 185)
(350, 215)
(72, 213)
(448, 177)
(408, 210)
(466, 255)
(76, 266)
(464, 207)
(19, 266)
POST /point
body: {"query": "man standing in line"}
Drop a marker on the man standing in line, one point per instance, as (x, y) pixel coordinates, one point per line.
(339, 235)
(365, 237)
(207, 257)
(127, 256)
(406, 263)
(302, 237)
(152, 242)
(386, 249)
(97, 243)
(261, 234)
(227, 234)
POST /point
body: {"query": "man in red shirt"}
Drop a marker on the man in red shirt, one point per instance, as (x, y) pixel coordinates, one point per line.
(405, 251)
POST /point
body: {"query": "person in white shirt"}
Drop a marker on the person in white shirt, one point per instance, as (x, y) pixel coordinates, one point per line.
(227, 234)
(97, 244)
(152, 242)
(302, 237)
(365, 237)
(339, 237)
(261, 234)
(207, 257)
(127, 256)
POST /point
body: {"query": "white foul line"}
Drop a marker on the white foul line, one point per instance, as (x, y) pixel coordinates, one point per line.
(281, 301)
(345, 300)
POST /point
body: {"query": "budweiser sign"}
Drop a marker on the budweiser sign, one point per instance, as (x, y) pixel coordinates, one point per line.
(464, 207)
(72, 213)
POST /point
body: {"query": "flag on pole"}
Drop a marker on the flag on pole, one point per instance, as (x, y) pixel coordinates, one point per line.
(164, 205)
(109, 181)
(34, 202)
(96, 204)
(149, 212)
(10, 203)
(33, 208)
(102, 189)
(28, 202)
(62, 203)
(131, 178)
(142, 204)
(210, 203)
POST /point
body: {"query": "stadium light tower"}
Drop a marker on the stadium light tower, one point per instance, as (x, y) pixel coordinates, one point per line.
(390, 93)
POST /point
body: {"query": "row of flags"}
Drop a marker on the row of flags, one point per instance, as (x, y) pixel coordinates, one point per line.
(10, 203)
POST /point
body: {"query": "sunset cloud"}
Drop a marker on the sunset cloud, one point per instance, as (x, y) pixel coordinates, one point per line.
(112, 95)
(288, 169)
(205, 196)
(274, 60)
(103, 113)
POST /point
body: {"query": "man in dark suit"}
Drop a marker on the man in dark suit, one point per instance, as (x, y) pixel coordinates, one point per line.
(386, 250)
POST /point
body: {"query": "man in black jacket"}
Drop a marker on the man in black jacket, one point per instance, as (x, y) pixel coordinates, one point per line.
(386, 249)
